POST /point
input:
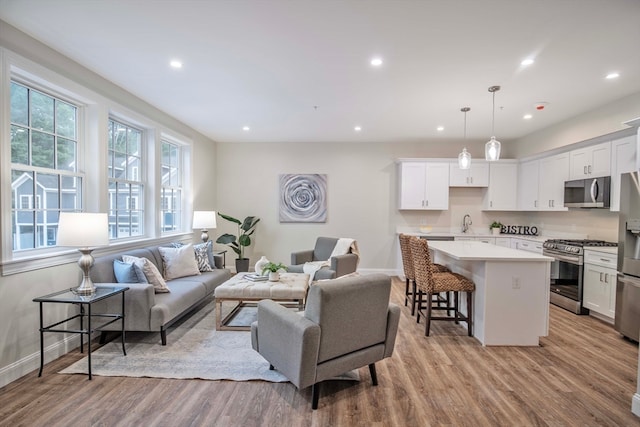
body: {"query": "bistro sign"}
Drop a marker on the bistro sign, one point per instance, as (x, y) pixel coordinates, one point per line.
(524, 230)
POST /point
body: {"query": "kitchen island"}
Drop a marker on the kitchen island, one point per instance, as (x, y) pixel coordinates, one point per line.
(511, 300)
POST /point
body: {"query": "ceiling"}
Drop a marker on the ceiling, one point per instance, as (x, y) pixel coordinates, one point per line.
(300, 70)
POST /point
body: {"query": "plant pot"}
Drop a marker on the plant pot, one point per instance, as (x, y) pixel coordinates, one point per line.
(274, 276)
(242, 265)
(495, 231)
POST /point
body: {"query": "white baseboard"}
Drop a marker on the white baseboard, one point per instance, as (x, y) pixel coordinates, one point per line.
(635, 405)
(31, 362)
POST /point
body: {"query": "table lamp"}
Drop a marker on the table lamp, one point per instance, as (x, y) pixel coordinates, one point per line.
(84, 231)
(204, 220)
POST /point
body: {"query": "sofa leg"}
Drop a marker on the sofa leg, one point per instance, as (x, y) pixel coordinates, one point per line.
(372, 371)
(271, 368)
(315, 395)
(163, 336)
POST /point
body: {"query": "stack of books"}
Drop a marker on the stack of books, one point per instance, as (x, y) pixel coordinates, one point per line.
(256, 278)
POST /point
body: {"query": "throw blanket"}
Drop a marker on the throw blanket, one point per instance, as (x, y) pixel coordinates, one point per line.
(343, 246)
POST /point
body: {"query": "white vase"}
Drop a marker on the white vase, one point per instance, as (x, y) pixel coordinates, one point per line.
(274, 276)
(495, 231)
(260, 264)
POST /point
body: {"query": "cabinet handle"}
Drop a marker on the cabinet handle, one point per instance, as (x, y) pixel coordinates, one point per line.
(584, 170)
(605, 260)
(553, 203)
(601, 277)
(535, 203)
(589, 169)
(426, 203)
(606, 278)
(491, 204)
(471, 178)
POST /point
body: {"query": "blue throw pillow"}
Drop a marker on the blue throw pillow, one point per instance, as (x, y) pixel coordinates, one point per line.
(124, 272)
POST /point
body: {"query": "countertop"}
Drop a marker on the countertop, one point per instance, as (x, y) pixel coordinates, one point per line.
(480, 251)
(480, 233)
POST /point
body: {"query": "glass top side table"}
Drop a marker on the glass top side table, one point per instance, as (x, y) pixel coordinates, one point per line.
(85, 302)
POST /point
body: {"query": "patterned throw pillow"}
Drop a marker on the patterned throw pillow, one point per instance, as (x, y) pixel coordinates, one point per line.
(202, 258)
(151, 273)
(207, 249)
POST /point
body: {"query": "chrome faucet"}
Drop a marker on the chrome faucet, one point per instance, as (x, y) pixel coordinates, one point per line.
(466, 222)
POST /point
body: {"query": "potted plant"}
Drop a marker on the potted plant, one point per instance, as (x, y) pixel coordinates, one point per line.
(245, 229)
(495, 227)
(274, 270)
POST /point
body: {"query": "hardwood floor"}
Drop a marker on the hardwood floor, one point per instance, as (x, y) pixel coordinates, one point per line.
(584, 374)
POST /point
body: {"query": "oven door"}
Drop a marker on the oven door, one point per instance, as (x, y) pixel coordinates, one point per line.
(566, 281)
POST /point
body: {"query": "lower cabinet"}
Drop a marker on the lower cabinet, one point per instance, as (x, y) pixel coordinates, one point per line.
(599, 292)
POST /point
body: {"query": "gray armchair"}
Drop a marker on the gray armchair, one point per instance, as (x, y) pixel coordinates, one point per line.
(339, 265)
(348, 323)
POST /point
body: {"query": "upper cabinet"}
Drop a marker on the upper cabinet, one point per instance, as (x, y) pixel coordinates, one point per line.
(424, 185)
(501, 195)
(541, 183)
(476, 176)
(623, 159)
(528, 185)
(590, 162)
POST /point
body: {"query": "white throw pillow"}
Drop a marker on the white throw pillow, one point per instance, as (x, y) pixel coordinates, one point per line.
(179, 262)
(150, 272)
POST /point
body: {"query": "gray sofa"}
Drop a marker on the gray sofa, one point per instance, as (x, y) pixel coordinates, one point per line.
(146, 310)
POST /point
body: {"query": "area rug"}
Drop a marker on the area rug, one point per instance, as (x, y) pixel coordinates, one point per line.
(194, 350)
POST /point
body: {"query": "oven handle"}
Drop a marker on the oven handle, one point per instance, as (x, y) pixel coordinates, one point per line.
(558, 257)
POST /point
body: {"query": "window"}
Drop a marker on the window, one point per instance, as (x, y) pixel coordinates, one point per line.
(171, 197)
(126, 190)
(44, 170)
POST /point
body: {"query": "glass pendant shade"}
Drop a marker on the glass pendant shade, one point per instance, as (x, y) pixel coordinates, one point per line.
(492, 149)
(464, 159)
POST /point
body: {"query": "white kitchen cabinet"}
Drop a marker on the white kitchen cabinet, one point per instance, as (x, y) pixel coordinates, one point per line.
(476, 176)
(554, 171)
(599, 282)
(528, 182)
(590, 162)
(501, 195)
(424, 185)
(623, 159)
(526, 245)
(503, 241)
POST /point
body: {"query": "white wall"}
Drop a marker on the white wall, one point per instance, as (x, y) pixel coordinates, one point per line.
(19, 336)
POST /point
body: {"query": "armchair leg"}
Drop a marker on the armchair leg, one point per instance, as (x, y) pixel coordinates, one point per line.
(372, 371)
(315, 395)
(271, 368)
(406, 292)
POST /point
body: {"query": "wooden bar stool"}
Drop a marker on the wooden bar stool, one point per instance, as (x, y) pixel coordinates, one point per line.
(430, 282)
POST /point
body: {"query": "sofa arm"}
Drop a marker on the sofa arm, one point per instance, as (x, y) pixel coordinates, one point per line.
(138, 301)
(218, 260)
(288, 341)
(301, 257)
(393, 319)
(344, 264)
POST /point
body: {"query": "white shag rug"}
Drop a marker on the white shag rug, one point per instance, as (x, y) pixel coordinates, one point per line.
(194, 350)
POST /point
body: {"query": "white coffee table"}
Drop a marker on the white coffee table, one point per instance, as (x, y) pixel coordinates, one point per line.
(290, 289)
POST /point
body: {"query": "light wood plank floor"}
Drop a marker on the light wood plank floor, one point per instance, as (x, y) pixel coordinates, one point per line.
(584, 374)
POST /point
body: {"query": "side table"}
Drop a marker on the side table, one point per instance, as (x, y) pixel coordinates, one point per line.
(84, 301)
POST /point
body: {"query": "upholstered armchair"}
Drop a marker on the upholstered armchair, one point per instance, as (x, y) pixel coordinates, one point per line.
(336, 265)
(347, 323)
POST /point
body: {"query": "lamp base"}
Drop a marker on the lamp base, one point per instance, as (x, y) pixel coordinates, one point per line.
(85, 262)
(204, 236)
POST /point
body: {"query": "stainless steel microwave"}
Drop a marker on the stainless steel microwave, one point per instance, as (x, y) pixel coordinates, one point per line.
(588, 193)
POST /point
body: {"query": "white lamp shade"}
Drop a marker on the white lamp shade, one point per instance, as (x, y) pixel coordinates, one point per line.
(82, 229)
(464, 159)
(204, 219)
(492, 149)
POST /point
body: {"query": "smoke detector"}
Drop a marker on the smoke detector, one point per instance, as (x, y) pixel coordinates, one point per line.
(541, 105)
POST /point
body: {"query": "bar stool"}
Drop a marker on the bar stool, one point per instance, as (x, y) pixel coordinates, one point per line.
(430, 282)
(409, 274)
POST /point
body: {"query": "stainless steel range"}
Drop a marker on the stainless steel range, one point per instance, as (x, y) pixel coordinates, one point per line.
(567, 271)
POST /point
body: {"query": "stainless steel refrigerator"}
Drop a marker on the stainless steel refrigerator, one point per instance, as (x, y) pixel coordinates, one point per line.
(627, 320)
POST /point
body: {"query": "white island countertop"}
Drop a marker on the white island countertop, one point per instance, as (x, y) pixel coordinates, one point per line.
(480, 251)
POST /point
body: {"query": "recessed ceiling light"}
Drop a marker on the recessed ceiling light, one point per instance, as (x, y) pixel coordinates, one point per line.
(613, 75)
(175, 63)
(527, 62)
(440, 128)
(357, 128)
(376, 62)
(246, 128)
(527, 116)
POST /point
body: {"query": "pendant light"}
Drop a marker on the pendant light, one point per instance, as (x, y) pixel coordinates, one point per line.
(492, 148)
(464, 158)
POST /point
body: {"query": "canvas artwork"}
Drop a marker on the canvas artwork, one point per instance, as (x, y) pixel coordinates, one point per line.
(303, 198)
